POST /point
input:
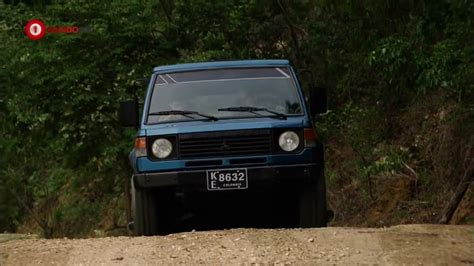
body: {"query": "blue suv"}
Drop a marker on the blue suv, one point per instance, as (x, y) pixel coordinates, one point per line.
(215, 131)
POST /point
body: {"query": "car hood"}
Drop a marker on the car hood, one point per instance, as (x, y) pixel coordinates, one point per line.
(223, 125)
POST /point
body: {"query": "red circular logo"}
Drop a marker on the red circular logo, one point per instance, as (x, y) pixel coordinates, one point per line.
(35, 29)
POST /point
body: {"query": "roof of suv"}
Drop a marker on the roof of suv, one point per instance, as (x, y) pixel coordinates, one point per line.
(221, 64)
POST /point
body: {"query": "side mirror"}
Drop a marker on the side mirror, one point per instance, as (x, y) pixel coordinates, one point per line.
(319, 101)
(128, 113)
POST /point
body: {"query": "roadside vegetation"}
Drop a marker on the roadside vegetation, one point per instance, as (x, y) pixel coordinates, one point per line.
(399, 133)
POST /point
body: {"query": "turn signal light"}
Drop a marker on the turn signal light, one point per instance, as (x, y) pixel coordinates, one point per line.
(309, 137)
(140, 147)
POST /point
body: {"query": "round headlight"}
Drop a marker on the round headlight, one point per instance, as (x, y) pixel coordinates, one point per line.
(289, 141)
(162, 148)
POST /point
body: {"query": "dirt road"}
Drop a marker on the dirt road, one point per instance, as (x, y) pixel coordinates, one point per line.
(407, 244)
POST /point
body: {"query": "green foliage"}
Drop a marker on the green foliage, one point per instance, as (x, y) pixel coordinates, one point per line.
(63, 154)
(390, 162)
(61, 103)
(394, 60)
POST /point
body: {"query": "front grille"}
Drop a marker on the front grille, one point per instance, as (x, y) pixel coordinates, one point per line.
(225, 143)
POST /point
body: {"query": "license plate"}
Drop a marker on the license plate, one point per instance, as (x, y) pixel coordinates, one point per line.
(227, 179)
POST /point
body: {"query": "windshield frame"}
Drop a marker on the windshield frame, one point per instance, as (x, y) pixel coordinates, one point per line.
(151, 87)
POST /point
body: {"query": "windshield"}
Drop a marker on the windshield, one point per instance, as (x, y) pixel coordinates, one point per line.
(207, 91)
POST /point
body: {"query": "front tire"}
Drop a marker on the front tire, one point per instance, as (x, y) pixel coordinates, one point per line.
(151, 211)
(312, 204)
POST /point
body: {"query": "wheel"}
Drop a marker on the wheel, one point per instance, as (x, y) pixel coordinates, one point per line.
(151, 211)
(312, 204)
(144, 212)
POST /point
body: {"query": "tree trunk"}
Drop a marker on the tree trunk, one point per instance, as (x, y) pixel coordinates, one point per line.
(456, 198)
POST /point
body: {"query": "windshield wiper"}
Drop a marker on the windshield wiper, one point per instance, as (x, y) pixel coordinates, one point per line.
(184, 113)
(252, 109)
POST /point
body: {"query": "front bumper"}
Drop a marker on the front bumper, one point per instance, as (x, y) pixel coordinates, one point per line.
(257, 176)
